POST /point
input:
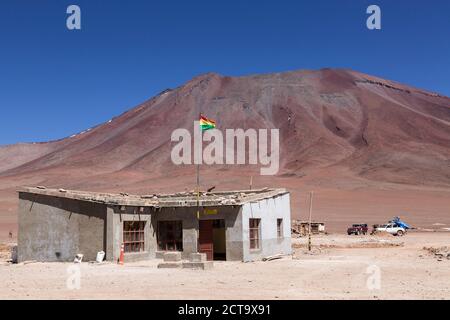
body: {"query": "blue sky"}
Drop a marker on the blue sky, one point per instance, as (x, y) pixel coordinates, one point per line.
(55, 82)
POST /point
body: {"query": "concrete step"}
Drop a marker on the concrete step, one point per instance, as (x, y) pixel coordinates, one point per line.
(204, 265)
(197, 257)
(172, 256)
(170, 265)
(159, 254)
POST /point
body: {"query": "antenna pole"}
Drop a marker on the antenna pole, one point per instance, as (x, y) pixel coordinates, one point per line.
(310, 215)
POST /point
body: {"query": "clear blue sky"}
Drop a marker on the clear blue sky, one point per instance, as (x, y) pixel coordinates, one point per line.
(55, 82)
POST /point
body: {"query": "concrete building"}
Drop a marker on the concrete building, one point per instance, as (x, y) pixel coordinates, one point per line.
(55, 225)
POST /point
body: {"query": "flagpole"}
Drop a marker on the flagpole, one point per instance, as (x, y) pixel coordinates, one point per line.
(198, 176)
(198, 191)
(210, 124)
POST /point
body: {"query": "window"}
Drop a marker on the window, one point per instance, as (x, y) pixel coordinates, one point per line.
(255, 230)
(280, 228)
(133, 236)
(170, 235)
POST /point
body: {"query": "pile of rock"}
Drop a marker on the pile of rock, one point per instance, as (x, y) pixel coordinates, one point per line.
(440, 253)
(8, 252)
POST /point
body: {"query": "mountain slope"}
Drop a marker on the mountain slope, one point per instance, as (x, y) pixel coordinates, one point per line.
(378, 129)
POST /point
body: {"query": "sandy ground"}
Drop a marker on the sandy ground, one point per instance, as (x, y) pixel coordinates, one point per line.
(339, 267)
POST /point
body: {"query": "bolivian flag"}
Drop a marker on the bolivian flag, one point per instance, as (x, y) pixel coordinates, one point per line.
(206, 124)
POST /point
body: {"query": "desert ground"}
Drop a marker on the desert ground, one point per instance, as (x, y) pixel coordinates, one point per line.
(337, 267)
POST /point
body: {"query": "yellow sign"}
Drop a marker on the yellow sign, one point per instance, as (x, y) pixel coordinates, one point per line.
(210, 211)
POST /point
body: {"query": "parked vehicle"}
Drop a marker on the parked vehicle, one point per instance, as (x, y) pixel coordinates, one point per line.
(357, 229)
(400, 223)
(392, 228)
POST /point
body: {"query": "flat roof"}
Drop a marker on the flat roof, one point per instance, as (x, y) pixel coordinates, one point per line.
(180, 199)
(306, 222)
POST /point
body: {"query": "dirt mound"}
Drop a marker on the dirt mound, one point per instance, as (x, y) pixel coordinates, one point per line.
(439, 253)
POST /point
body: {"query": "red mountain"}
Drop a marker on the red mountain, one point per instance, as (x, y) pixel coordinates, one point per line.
(355, 139)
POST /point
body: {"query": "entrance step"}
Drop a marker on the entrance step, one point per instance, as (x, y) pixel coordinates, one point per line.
(204, 265)
(159, 254)
(172, 256)
(197, 257)
(170, 265)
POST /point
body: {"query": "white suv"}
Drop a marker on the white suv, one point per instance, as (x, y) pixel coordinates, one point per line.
(392, 228)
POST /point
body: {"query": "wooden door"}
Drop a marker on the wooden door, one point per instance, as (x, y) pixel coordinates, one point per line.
(205, 238)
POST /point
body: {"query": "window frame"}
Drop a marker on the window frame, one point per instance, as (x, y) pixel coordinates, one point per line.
(133, 238)
(280, 228)
(177, 243)
(251, 234)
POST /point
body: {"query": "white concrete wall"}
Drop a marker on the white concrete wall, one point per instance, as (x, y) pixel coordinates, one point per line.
(268, 210)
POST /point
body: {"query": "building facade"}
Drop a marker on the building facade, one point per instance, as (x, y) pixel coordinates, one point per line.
(55, 225)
